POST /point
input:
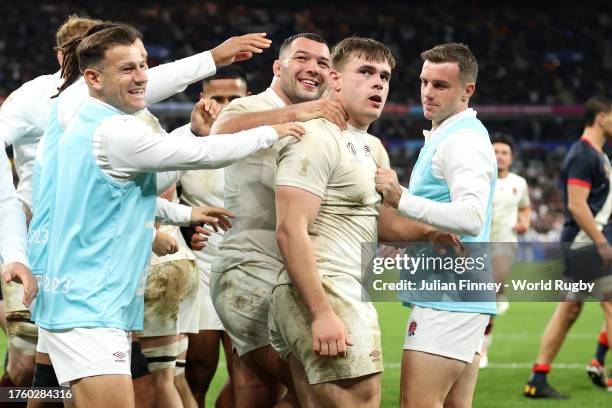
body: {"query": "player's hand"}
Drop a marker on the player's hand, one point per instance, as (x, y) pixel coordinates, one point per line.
(290, 129)
(520, 228)
(388, 185)
(241, 48)
(164, 244)
(329, 336)
(18, 272)
(216, 217)
(605, 252)
(322, 108)
(443, 241)
(203, 115)
(199, 238)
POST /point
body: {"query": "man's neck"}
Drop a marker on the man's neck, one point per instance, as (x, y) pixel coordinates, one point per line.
(436, 125)
(595, 136)
(275, 86)
(502, 173)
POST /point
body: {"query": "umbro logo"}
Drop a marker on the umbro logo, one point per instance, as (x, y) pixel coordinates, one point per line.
(120, 356)
(375, 355)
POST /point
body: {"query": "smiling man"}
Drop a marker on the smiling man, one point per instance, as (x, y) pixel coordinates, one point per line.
(92, 293)
(248, 262)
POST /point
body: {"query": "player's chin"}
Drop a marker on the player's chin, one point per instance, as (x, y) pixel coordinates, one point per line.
(309, 94)
(135, 104)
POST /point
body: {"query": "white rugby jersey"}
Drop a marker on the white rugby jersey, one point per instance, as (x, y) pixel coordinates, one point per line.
(511, 194)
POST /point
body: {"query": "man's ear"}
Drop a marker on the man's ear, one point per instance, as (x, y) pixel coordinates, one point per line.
(92, 77)
(335, 80)
(599, 118)
(276, 68)
(468, 91)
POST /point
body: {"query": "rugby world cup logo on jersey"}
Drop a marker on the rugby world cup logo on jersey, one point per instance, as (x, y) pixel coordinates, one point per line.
(412, 328)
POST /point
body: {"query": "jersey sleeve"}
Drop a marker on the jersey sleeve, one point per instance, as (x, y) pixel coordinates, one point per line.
(309, 164)
(14, 120)
(580, 172)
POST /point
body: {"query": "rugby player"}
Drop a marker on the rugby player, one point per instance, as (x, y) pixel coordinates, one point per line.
(451, 188)
(328, 217)
(587, 197)
(248, 262)
(198, 188)
(105, 164)
(511, 216)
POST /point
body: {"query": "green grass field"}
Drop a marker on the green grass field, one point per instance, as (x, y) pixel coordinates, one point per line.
(515, 345)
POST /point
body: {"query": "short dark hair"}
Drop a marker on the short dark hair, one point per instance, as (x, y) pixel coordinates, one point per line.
(455, 52)
(309, 36)
(367, 48)
(595, 106)
(503, 138)
(227, 72)
(91, 51)
(70, 66)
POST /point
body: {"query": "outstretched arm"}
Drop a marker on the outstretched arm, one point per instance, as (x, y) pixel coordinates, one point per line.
(231, 120)
(169, 79)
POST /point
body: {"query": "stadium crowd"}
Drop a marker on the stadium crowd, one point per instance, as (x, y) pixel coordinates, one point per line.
(534, 54)
(284, 284)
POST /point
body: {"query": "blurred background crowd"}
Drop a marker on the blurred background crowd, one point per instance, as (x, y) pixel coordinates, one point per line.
(538, 63)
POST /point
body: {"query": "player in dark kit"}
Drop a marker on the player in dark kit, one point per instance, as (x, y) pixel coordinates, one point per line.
(587, 198)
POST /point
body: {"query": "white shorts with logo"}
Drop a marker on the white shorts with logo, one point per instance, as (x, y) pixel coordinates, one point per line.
(86, 352)
(290, 330)
(456, 335)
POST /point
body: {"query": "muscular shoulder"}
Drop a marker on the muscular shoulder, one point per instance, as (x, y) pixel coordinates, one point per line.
(253, 103)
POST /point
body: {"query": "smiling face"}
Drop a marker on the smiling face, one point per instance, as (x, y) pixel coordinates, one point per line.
(302, 71)
(443, 94)
(121, 79)
(362, 87)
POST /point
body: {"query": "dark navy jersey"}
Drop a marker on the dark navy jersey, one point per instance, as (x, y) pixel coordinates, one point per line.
(586, 165)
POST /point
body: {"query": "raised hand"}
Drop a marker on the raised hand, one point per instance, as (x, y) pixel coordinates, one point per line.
(241, 48)
(203, 115)
(289, 129)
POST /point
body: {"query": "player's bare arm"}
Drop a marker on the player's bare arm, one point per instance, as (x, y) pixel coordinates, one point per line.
(524, 220)
(577, 205)
(296, 210)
